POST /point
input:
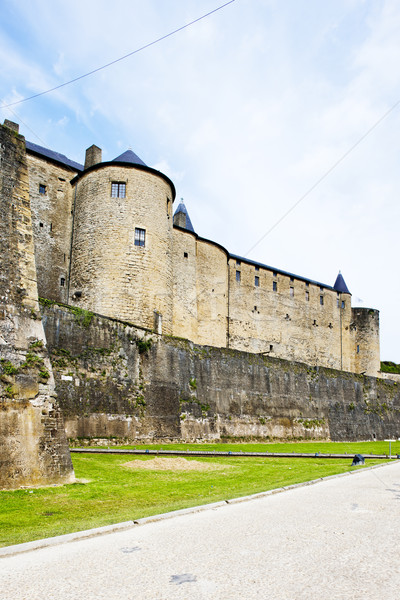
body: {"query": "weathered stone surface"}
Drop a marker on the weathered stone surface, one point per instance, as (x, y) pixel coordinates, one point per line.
(118, 381)
(33, 446)
(177, 282)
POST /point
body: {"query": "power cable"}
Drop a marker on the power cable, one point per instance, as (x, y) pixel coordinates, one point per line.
(324, 176)
(113, 62)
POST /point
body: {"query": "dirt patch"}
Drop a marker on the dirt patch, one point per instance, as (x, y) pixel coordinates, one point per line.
(174, 464)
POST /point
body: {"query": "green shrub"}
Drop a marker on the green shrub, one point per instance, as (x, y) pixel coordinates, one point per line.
(389, 367)
(143, 345)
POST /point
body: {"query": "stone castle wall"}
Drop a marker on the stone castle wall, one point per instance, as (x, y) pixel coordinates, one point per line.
(287, 317)
(116, 381)
(179, 283)
(33, 446)
(200, 289)
(51, 199)
(113, 275)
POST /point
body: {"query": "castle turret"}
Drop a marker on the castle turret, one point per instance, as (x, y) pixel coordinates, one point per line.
(122, 242)
(181, 217)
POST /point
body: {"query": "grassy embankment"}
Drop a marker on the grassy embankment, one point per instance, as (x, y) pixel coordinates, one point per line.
(115, 493)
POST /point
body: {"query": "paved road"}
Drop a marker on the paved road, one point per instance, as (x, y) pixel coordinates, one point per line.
(338, 539)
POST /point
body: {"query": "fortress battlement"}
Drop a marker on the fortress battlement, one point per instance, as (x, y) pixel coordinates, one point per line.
(107, 239)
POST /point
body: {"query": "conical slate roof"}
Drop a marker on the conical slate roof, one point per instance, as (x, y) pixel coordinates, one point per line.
(182, 209)
(340, 285)
(129, 157)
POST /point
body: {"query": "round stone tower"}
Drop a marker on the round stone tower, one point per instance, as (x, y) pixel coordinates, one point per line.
(121, 258)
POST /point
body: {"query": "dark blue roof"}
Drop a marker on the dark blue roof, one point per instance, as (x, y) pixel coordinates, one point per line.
(262, 265)
(340, 285)
(129, 157)
(60, 158)
(182, 209)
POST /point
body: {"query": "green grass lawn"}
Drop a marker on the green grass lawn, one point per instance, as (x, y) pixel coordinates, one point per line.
(114, 493)
(350, 448)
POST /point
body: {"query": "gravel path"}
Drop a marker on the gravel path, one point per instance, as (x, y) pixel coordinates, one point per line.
(337, 539)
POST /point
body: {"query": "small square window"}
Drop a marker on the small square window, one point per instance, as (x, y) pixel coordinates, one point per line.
(308, 296)
(118, 189)
(185, 255)
(307, 284)
(292, 279)
(321, 300)
(275, 273)
(40, 224)
(257, 281)
(257, 268)
(238, 263)
(274, 286)
(42, 188)
(292, 292)
(140, 237)
(238, 276)
(321, 289)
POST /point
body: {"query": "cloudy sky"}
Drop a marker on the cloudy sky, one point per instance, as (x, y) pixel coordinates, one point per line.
(246, 111)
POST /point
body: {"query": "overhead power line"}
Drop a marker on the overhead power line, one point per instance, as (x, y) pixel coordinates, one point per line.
(325, 175)
(113, 62)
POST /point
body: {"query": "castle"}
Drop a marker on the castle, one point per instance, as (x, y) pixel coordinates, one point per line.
(107, 240)
(147, 331)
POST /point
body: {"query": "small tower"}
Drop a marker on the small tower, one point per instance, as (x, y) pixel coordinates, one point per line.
(340, 285)
(121, 263)
(181, 217)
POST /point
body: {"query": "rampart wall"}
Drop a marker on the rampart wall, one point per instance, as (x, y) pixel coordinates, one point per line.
(119, 381)
(33, 446)
(178, 282)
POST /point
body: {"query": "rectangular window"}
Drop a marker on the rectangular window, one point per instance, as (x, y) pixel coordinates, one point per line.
(238, 276)
(118, 189)
(238, 263)
(292, 279)
(292, 292)
(343, 304)
(358, 349)
(308, 296)
(275, 273)
(62, 281)
(42, 188)
(257, 281)
(257, 268)
(307, 284)
(140, 237)
(185, 255)
(338, 302)
(274, 286)
(321, 300)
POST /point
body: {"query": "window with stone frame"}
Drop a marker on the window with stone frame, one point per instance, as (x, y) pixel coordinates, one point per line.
(140, 237)
(118, 189)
